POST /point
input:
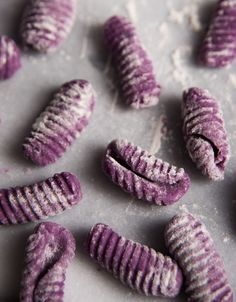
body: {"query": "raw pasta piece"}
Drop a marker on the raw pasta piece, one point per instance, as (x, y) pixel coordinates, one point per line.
(204, 133)
(49, 251)
(60, 123)
(134, 68)
(40, 200)
(136, 265)
(192, 247)
(143, 175)
(46, 23)
(10, 58)
(219, 46)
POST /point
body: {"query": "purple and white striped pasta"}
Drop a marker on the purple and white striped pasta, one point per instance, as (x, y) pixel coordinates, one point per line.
(219, 46)
(40, 200)
(60, 123)
(191, 245)
(134, 68)
(143, 175)
(136, 265)
(49, 251)
(46, 23)
(204, 132)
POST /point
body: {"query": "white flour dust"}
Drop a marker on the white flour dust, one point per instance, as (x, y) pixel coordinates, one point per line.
(157, 135)
(132, 10)
(232, 80)
(178, 56)
(84, 47)
(189, 12)
(183, 208)
(164, 34)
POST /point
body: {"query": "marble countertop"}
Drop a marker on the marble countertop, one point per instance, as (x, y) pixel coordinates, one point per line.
(171, 32)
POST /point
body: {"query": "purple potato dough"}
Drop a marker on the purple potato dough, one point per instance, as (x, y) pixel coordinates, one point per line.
(219, 46)
(143, 175)
(60, 123)
(136, 265)
(46, 23)
(49, 251)
(192, 247)
(10, 58)
(134, 68)
(204, 133)
(38, 201)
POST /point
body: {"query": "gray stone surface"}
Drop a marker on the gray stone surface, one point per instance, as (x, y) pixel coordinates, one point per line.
(171, 31)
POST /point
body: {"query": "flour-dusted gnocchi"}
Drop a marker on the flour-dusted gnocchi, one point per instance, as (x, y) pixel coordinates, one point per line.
(136, 265)
(46, 23)
(219, 46)
(204, 132)
(40, 200)
(60, 123)
(192, 247)
(135, 70)
(49, 251)
(143, 175)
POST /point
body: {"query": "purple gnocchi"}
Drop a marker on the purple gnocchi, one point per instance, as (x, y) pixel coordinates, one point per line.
(49, 251)
(136, 265)
(60, 123)
(143, 175)
(134, 68)
(204, 133)
(46, 23)
(41, 200)
(219, 46)
(192, 247)
(10, 58)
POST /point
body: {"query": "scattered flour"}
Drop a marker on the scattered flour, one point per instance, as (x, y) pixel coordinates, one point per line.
(65, 55)
(180, 74)
(132, 10)
(183, 208)
(156, 140)
(160, 43)
(177, 16)
(203, 217)
(231, 85)
(232, 80)
(189, 12)
(115, 10)
(86, 20)
(134, 209)
(84, 47)
(226, 239)
(164, 34)
(163, 28)
(228, 99)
